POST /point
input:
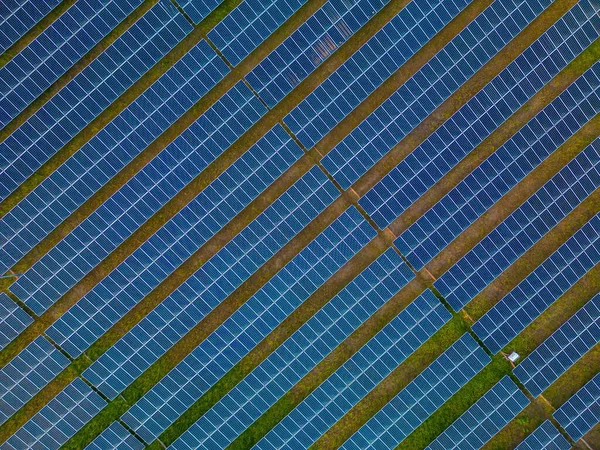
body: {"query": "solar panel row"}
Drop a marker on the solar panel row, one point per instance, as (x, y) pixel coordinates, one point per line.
(248, 25)
(59, 420)
(198, 9)
(27, 373)
(522, 229)
(562, 349)
(55, 50)
(484, 419)
(421, 397)
(115, 437)
(18, 17)
(13, 320)
(581, 412)
(355, 378)
(309, 46)
(140, 198)
(502, 170)
(366, 69)
(545, 437)
(523, 304)
(107, 153)
(465, 130)
(89, 93)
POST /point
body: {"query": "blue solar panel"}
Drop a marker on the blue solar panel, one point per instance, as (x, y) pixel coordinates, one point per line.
(17, 17)
(581, 412)
(522, 229)
(198, 9)
(484, 419)
(463, 131)
(357, 376)
(523, 304)
(116, 437)
(108, 152)
(88, 94)
(502, 170)
(59, 420)
(545, 437)
(249, 24)
(13, 320)
(562, 349)
(421, 397)
(27, 373)
(309, 46)
(55, 50)
(140, 198)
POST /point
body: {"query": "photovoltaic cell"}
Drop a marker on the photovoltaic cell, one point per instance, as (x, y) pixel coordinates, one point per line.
(13, 320)
(545, 437)
(581, 412)
(18, 17)
(198, 9)
(116, 437)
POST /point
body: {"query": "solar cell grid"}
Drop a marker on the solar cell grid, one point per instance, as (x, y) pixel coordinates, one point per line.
(13, 320)
(17, 17)
(464, 130)
(27, 373)
(140, 198)
(355, 378)
(579, 334)
(107, 153)
(484, 419)
(545, 437)
(164, 251)
(90, 92)
(199, 9)
(115, 437)
(523, 304)
(309, 46)
(55, 50)
(522, 228)
(581, 412)
(421, 397)
(502, 170)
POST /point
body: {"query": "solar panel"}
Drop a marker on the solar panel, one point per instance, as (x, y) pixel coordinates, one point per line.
(27, 373)
(463, 131)
(17, 17)
(59, 420)
(198, 9)
(545, 437)
(522, 229)
(173, 243)
(502, 170)
(541, 288)
(357, 376)
(309, 46)
(116, 437)
(421, 397)
(562, 349)
(55, 50)
(108, 152)
(13, 320)
(139, 198)
(89, 93)
(484, 419)
(249, 24)
(581, 412)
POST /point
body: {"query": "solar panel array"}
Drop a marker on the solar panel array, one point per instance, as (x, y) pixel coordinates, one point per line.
(366, 69)
(502, 170)
(115, 437)
(581, 412)
(356, 377)
(421, 397)
(468, 127)
(107, 153)
(89, 93)
(309, 46)
(140, 198)
(55, 50)
(541, 288)
(562, 349)
(13, 320)
(17, 17)
(522, 229)
(484, 419)
(197, 10)
(545, 437)
(27, 373)
(59, 419)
